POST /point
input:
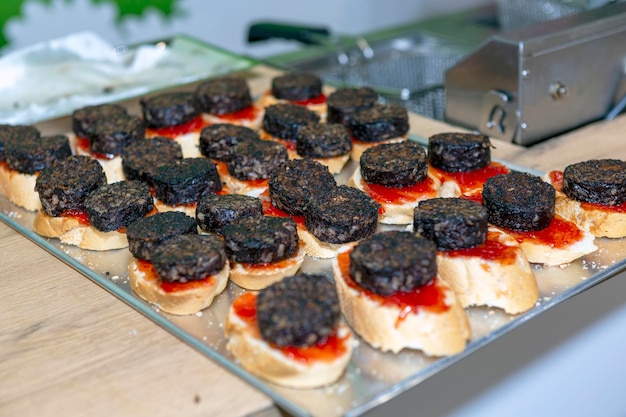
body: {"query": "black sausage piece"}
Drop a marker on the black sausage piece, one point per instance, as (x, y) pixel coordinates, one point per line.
(214, 211)
(32, 154)
(223, 95)
(15, 132)
(323, 140)
(459, 152)
(344, 101)
(519, 201)
(67, 182)
(393, 261)
(301, 310)
(452, 223)
(147, 233)
(343, 215)
(598, 181)
(111, 135)
(284, 120)
(170, 109)
(394, 164)
(218, 141)
(256, 159)
(379, 122)
(141, 159)
(85, 118)
(115, 206)
(189, 257)
(293, 184)
(186, 181)
(261, 239)
(296, 86)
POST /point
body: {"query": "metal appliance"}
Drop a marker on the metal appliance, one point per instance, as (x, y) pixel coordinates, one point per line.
(533, 83)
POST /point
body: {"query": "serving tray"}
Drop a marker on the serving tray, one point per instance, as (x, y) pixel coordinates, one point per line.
(372, 377)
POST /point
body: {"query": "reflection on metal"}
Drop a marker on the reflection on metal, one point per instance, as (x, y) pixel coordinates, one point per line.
(546, 79)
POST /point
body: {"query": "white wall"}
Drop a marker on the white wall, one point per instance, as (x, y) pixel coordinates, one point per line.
(223, 23)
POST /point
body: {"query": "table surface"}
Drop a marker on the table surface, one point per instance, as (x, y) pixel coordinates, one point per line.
(68, 347)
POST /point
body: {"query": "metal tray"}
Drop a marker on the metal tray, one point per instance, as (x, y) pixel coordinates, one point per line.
(372, 377)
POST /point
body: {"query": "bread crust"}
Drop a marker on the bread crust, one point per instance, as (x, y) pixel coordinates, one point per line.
(188, 209)
(434, 333)
(252, 278)
(511, 286)
(395, 213)
(19, 188)
(259, 358)
(71, 232)
(182, 302)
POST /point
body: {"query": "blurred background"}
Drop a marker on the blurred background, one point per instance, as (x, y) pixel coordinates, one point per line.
(222, 23)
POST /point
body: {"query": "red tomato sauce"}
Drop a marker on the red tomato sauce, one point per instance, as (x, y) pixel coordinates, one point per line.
(151, 275)
(471, 181)
(410, 193)
(560, 233)
(172, 132)
(270, 209)
(80, 215)
(491, 250)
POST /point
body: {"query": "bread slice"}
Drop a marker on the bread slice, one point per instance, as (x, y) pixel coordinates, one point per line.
(71, 231)
(598, 220)
(435, 331)
(400, 212)
(19, 188)
(275, 365)
(542, 247)
(190, 299)
(507, 282)
(257, 277)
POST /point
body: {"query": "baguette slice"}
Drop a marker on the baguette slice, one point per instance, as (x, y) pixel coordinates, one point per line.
(274, 365)
(436, 332)
(600, 221)
(257, 277)
(72, 231)
(19, 188)
(400, 212)
(198, 296)
(507, 282)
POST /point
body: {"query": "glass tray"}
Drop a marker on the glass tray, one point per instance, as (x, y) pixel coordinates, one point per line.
(372, 377)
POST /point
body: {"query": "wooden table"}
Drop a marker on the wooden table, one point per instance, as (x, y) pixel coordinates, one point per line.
(67, 347)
